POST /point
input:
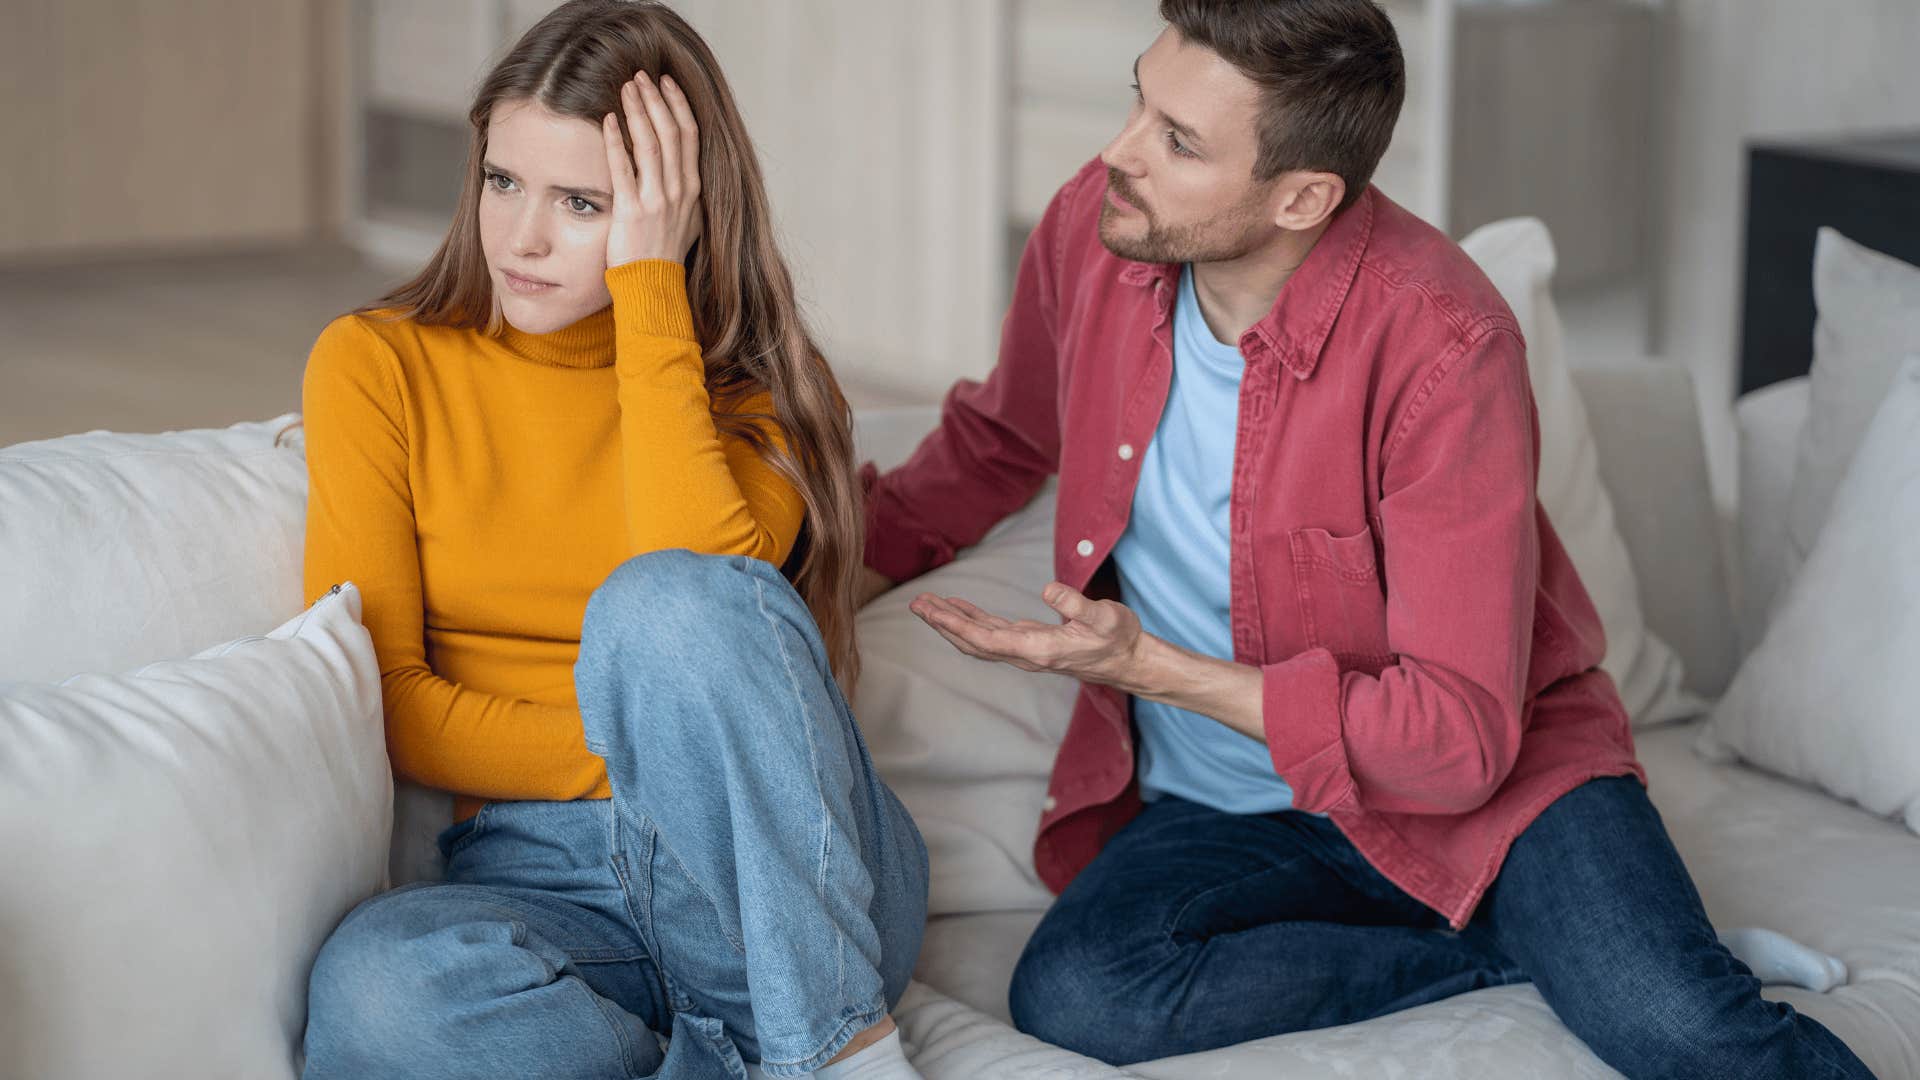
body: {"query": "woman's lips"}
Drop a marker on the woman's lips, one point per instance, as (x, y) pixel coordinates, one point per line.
(526, 286)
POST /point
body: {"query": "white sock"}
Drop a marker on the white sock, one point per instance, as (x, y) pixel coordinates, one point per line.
(884, 1060)
(1776, 958)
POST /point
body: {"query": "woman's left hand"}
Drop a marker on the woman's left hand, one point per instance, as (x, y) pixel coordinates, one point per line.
(656, 190)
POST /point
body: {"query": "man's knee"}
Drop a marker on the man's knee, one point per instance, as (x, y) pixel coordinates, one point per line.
(1083, 989)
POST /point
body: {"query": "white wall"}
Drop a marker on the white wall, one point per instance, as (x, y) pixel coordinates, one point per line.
(880, 127)
(1746, 68)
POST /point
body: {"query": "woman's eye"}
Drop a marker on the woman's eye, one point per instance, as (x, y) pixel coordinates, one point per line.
(493, 179)
(580, 206)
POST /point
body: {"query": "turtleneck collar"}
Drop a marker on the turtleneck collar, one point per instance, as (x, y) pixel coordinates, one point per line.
(587, 343)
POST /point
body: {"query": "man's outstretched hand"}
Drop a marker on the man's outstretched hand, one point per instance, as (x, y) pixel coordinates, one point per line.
(1096, 641)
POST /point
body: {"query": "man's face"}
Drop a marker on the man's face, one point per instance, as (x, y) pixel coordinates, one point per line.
(1180, 184)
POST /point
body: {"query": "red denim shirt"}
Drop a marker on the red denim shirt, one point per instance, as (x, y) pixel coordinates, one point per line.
(1429, 655)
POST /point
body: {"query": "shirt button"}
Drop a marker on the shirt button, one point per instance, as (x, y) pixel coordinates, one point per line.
(1084, 547)
(1126, 451)
(1049, 804)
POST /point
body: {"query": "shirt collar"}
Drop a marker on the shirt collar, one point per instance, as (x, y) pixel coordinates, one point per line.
(1295, 330)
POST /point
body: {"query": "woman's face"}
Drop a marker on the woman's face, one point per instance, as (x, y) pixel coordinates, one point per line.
(545, 208)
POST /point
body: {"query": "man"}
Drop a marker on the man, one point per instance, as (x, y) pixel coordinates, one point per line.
(1343, 746)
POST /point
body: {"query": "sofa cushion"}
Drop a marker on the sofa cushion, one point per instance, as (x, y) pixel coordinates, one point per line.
(1868, 322)
(1770, 421)
(178, 843)
(967, 745)
(1646, 424)
(119, 550)
(1829, 695)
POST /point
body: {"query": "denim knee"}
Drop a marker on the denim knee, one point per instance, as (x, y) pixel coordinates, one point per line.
(371, 1002)
(661, 588)
(672, 636)
(1088, 992)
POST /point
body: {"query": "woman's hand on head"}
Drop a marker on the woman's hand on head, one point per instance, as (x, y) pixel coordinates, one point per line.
(656, 189)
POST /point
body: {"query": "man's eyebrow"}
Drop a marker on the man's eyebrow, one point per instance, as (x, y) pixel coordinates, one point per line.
(585, 193)
(1185, 131)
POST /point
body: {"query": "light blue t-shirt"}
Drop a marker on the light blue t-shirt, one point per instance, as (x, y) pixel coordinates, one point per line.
(1174, 574)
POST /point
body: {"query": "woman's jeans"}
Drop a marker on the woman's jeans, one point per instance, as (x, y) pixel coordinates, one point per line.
(1196, 929)
(751, 892)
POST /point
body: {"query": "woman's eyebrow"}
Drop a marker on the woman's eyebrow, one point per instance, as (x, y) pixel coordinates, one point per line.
(585, 193)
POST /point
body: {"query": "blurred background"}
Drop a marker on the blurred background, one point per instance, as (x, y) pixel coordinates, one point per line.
(195, 187)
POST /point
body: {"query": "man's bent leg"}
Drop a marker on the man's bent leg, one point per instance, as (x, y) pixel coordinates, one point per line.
(1595, 904)
(1195, 929)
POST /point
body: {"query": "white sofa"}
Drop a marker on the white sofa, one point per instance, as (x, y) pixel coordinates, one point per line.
(1764, 851)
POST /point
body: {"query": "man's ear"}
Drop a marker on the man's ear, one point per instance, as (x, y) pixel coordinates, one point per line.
(1304, 200)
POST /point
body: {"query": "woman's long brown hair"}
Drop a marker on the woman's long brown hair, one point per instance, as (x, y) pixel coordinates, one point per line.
(745, 313)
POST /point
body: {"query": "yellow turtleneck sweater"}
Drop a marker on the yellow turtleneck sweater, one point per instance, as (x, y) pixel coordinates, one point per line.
(478, 489)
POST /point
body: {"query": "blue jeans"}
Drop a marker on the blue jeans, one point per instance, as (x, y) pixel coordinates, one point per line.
(1195, 929)
(748, 843)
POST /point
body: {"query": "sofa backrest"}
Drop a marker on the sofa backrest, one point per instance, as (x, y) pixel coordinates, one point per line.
(1646, 426)
(120, 550)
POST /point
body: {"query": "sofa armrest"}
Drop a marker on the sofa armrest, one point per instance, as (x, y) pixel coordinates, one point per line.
(1646, 426)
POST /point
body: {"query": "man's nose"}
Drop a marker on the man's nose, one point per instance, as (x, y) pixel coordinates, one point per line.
(1123, 154)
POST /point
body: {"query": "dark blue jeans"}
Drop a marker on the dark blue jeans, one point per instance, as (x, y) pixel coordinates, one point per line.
(1197, 929)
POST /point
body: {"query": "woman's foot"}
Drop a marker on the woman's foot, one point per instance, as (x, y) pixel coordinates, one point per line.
(865, 1039)
(874, 1054)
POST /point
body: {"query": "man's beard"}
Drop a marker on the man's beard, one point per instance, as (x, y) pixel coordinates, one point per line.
(1230, 236)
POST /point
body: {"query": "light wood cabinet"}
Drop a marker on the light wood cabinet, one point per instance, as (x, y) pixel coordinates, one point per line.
(163, 125)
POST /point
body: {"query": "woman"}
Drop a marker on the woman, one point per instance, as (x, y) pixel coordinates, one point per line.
(566, 465)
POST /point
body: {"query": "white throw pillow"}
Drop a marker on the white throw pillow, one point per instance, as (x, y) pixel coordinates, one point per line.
(178, 843)
(1869, 321)
(1517, 255)
(119, 550)
(966, 745)
(1832, 694)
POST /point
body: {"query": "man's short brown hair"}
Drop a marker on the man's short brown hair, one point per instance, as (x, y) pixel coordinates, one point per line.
(1330, 73)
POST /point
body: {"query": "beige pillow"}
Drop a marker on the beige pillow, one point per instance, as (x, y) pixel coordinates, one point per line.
(1518, 256)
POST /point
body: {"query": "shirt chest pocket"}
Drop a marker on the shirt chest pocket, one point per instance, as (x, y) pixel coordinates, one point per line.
(1343, 602)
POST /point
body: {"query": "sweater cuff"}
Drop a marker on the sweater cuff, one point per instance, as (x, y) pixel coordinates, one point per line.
(650, 297)
(1300, 710)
